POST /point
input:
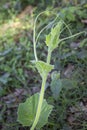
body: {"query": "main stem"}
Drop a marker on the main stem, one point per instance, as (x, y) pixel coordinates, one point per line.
(49, 56)
(34, 42)
(39, 104)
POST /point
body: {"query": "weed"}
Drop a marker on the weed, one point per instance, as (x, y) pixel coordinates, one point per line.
(39, 110)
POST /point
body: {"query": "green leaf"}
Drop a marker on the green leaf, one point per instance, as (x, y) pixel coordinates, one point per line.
(4, 78)
(69, 13)
(6, 52)
(52, 39)
(82, 54)
(45, 112)
(55, 75)
(58, 84)
(27, 111)
(2, 91)
(69, 83)
(56, 87)
(43, 68)
(48, 38)
(83, 43)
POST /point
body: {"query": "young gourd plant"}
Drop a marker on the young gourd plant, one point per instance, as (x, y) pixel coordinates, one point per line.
(35, 110)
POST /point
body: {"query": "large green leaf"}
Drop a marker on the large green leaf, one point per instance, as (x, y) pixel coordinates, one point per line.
(27, 112)
(58, 84)
(43, 68)
(52, 39)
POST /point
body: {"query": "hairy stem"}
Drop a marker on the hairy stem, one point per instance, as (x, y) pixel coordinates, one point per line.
(45, 28)
(71, 36)
(34, 36)
(49, 56)
(39, 104)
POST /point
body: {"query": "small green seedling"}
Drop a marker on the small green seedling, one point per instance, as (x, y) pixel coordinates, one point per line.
(35, 110)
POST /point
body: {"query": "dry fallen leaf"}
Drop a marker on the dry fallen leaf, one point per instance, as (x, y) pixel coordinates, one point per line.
(27, 11)
(77, 112)
(12, 99)
(71, 119)
(68, 70)
(74, 45)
